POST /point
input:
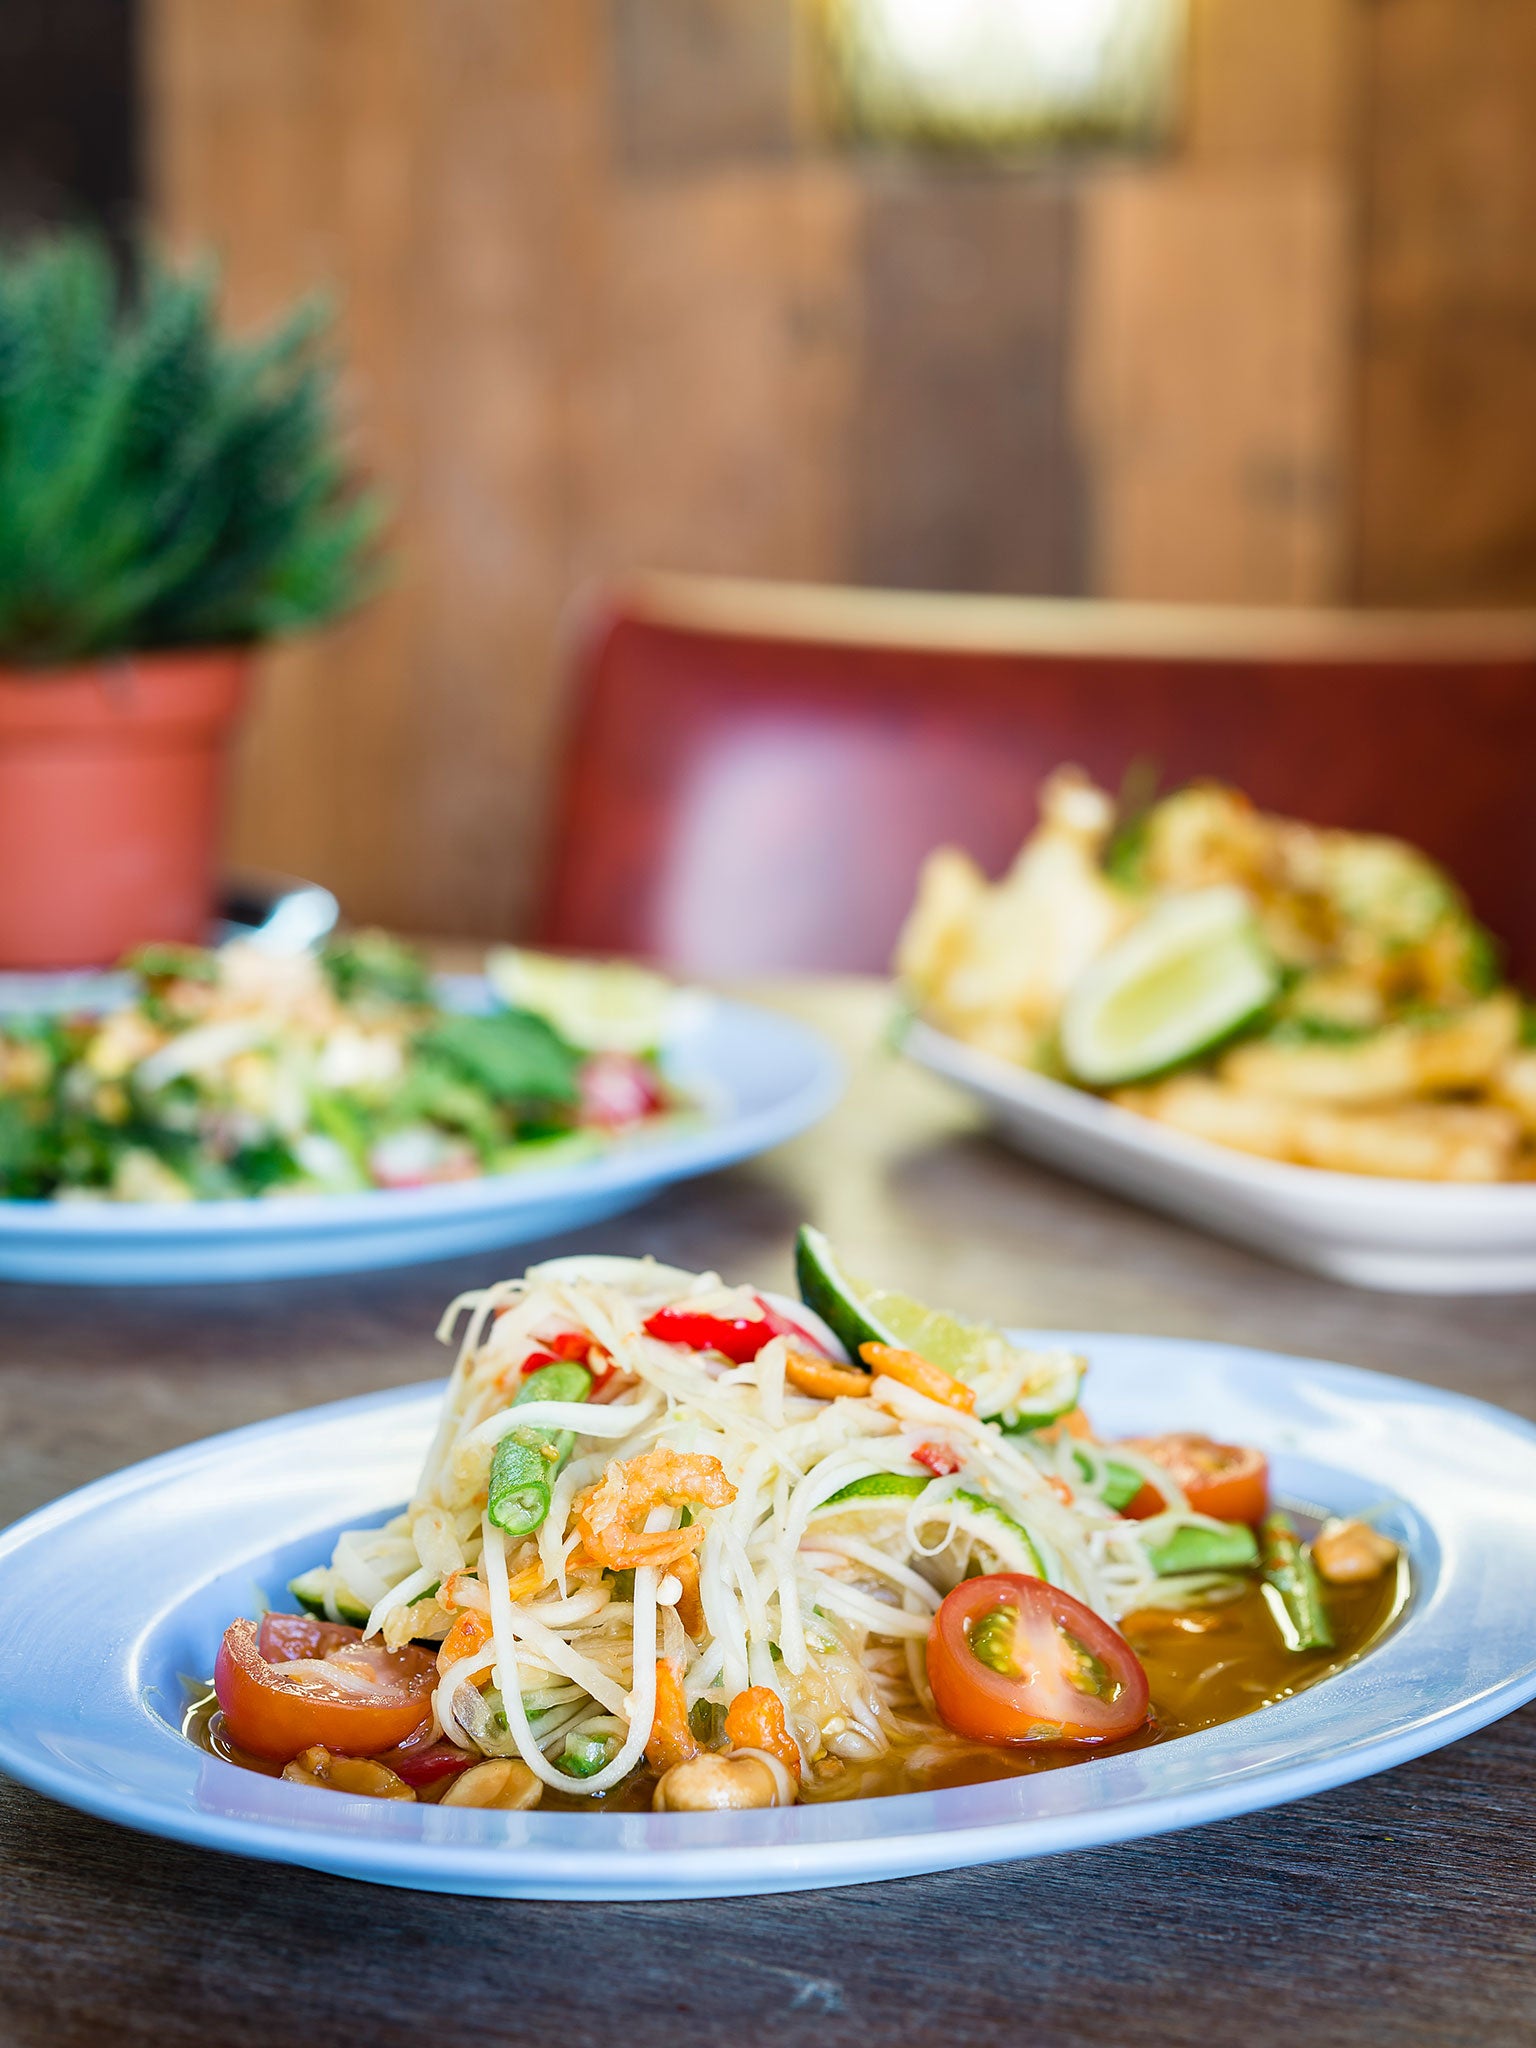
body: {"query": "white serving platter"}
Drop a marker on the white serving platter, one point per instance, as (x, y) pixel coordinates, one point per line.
(110, 1594)
(757, 1076)
(1412, 1237)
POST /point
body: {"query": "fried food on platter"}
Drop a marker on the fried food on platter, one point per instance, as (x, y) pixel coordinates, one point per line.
(1514, 1086)
(992, 964)
(1447, 1141)
(1462, 1050)
(1390, 1044)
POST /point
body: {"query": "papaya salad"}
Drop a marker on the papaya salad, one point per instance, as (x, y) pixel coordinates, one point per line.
(696, 1546)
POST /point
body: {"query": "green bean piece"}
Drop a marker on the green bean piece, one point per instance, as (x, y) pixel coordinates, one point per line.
(526, 1460)
(521, 1472)
(1291, 1586)
(555, 1383)
(1195, 1548)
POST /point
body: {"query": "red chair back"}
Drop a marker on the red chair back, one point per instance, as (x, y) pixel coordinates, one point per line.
(755, 772)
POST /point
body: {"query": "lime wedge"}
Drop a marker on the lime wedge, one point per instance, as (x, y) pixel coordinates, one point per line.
(838, 1299)
(1191, 973)
(974, 1352)
(599, 1005)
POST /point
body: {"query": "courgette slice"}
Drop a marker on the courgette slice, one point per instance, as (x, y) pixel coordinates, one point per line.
(318, 1593)
(1196, 1548)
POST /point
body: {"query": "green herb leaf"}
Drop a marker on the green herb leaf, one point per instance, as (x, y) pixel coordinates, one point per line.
(513, 1055)
(373, 966)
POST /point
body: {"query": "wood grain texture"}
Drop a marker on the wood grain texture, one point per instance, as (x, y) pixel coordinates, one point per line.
(1212, 383)
(1447, 501)
(717, 421)
(1272, 85)
(1393, 1911)
(439, 167)
(967, 474)
(289, 142)
(702, 81)
(68, 116)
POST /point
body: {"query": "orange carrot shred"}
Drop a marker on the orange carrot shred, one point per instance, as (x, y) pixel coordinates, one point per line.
(671, 1739)
(920, 1375)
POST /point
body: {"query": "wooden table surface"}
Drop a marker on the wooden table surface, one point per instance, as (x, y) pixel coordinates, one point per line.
(1397, 1910)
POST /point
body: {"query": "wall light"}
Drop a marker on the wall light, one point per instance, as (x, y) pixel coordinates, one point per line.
(987, 74)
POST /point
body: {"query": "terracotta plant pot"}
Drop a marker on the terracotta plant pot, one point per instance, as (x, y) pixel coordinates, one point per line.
(111, 780)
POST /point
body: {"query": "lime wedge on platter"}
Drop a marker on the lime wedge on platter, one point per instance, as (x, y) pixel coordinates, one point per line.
(598, 1005)
(1192, 972)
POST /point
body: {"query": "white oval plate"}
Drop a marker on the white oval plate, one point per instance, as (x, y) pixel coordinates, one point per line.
(758, 1076)
(109, 1594)
(1410, 1236)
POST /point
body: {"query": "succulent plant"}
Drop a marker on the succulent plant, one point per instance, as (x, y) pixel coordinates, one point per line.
(162, 485)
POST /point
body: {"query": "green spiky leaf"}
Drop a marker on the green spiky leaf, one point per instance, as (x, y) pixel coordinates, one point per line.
(162, 485)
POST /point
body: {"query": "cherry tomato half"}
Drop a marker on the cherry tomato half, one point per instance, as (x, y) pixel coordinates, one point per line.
(1011, 1659)
(322, 1684)
(283, 1638)
(1227, 1481)
(617, 1089)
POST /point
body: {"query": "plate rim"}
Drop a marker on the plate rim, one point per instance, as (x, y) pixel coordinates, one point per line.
(939, 1052)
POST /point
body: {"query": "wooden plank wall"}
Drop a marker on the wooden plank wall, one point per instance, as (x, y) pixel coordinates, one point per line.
(1447, 502)
(612, 301)
(67, 114)
(1212, 335)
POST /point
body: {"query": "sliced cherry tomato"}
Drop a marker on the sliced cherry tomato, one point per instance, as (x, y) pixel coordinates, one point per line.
(1227, 1481)
(354, 1698)
(617, 1089)
(939, 1459)
(283, 1637)
(1011, 1659)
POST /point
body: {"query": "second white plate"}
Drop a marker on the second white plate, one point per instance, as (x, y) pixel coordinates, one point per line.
(1415, 1237)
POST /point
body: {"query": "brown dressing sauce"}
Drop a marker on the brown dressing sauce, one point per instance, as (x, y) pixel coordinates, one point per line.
(1204, 1667)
